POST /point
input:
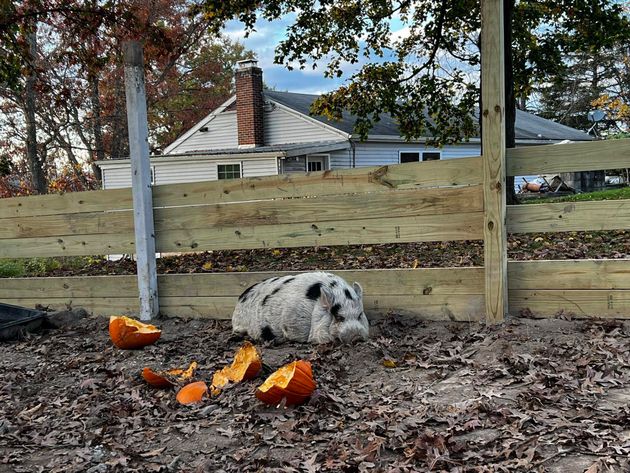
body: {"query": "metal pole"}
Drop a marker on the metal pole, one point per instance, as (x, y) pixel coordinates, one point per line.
(141, 179)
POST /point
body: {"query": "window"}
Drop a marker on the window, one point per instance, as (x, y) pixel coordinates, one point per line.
(314, 166)
(431, 156)
(152, 174)
(415, 156)
(409, 157)
(229, 171)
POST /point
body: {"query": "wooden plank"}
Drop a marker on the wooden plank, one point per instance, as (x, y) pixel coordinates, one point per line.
(362, 206)
(569, 216)
(71, 245)
(569, 157)
(493, 151)
(87, 223)
(465, 226)
(422, 281)
(570, 274)
(459, 307)
(344, 232)
(381, 205)
(425, 281)
(73, 202)
(452, 172)
(580, 303)
(97, 306)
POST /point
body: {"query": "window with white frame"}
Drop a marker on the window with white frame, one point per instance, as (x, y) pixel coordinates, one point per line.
(415, 156)
(229, 171)
(316, 162)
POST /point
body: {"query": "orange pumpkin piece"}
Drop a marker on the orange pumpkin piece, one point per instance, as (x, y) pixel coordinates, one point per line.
(166, 379)
(293, 382)
(246, 365)
(128, 333)
(192, 393)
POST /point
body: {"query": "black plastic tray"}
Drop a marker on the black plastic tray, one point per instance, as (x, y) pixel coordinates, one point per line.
(14, 319)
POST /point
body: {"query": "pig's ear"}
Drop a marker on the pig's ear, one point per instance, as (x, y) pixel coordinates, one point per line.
(326, 297)
(358, 289)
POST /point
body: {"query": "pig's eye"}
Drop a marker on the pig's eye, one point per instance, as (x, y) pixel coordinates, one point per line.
(334, 310)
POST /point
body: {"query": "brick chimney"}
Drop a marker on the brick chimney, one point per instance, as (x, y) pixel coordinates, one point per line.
(249, 104)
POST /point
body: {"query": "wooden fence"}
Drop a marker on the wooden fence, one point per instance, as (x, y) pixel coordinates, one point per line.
(431, 201)
(460, 199)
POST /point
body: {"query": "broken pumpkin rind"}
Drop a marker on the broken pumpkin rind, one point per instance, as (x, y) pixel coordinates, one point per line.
(294, 382)
(246, 365)
(130, 334)
(166, 379)
(192, 393)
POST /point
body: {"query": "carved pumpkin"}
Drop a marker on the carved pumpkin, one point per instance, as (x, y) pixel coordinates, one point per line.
(128, 333)
(192, 393)
(293, 382)
(166, 379)
(246, 365)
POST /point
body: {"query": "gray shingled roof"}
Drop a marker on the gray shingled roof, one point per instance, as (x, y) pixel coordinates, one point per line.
(528, 126)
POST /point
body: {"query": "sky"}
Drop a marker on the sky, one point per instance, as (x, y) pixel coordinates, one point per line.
(263, 42)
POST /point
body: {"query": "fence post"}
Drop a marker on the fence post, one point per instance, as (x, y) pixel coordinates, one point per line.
(141, 179)
(493, 151)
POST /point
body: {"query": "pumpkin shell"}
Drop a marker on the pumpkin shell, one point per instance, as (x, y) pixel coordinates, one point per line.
(166, 379)
(192, 393)
(294, 382)
(129, 334)
(246, 365)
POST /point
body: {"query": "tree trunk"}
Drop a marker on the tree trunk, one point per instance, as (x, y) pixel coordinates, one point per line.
(35, 164)
(510, 102)
(97, 126)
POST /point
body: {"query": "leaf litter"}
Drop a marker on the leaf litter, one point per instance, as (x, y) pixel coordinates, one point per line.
(530, 395)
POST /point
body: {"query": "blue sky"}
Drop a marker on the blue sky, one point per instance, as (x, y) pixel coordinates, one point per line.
(263, 42)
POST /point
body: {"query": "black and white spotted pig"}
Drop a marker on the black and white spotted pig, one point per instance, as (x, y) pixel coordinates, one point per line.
(313, 307)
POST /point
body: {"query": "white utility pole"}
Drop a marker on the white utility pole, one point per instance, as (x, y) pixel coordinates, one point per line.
(141, 179)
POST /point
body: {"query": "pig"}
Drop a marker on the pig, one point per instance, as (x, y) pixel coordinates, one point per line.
(314, 307)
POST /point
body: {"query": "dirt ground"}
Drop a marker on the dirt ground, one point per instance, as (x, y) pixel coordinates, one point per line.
(530, 395)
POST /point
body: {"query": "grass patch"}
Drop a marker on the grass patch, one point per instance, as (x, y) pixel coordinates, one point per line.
(609, 194)
(11, 269)
(33, 267)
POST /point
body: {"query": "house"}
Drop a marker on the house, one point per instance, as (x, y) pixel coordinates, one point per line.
(260, 132)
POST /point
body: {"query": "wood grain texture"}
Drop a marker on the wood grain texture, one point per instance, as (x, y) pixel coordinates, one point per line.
(569, 275)
(437, 294)
(570, 157)
(453, 172)
(493, 157)
(318, 209)
(579, 303)
(424, 281)
(73, 202)
(569, 216)
(343, 232)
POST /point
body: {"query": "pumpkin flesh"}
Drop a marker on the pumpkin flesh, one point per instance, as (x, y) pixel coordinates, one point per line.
(246, 365)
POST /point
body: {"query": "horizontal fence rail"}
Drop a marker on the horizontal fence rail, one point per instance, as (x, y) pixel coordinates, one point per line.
(581, 288)
(439, 294)
(568, 157)
(401, 203)
(569, 216)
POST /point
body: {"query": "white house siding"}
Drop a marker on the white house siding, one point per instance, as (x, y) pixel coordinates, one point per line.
(375, 154)
(341, 159)
(221, 134)
(116, 177)
(283, 127)
(186, 171)
(260, 167)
